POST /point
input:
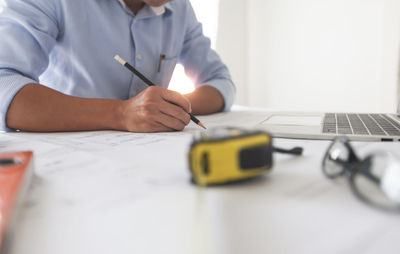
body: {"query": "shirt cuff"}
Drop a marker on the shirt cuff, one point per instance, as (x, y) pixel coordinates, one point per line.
(10, 84)
(227, 90)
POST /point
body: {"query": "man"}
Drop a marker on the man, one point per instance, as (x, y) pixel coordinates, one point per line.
(57, 71)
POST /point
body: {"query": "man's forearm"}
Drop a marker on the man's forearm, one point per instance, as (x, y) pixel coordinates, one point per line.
(39, 108)
(205, 100)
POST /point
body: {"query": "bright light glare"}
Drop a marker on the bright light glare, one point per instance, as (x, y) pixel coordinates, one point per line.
(207, 14)
(180, 82)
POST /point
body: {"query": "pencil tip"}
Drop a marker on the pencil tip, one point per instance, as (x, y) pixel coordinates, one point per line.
(200, 124)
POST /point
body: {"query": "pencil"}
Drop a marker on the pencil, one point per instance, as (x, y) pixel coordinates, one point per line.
(149, 83)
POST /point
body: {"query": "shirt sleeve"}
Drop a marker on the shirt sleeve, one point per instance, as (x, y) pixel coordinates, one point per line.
(202, 63)
(28, 32)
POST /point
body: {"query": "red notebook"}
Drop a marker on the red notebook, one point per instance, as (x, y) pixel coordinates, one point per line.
(15, 174)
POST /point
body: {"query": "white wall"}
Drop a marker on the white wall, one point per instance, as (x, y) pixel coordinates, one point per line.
(334, 55)
(207, 12)
(232, 44)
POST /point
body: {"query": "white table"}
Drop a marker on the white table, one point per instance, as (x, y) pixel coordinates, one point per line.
(115, 192)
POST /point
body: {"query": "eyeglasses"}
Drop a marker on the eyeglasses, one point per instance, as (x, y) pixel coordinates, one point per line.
(375, 180)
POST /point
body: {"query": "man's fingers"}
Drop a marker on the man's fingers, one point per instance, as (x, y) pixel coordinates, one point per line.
(177, 99)
(175, 112)
(170, 121)
(158, 127)
(157, 109)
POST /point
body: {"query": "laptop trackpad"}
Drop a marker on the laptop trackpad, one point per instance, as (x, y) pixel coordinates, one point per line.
(296, 120)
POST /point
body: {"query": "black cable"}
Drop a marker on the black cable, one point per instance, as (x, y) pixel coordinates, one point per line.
(294, 151)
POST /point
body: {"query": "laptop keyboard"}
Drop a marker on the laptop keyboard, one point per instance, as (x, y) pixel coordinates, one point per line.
(360, 124)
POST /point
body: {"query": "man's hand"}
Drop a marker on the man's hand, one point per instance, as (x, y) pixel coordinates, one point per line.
(156, 109)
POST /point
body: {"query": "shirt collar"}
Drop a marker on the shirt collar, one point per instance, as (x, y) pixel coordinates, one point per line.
(160, 10)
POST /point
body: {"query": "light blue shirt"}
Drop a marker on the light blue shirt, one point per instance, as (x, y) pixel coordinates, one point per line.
(69, 45)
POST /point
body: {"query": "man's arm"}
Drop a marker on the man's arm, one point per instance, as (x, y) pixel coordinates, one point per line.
(28, 29)
(215, 90)
(205, 100)
(39, 108)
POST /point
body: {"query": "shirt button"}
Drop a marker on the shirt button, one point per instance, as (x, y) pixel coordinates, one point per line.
(139, 57)
(134, 21)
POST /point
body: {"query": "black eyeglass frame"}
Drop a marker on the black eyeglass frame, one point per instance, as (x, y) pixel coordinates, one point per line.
(350, 168)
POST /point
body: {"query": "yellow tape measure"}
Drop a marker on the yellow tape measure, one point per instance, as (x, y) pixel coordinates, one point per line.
(224, 155)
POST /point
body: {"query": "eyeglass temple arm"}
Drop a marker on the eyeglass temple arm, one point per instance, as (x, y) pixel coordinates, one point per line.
(364, 168)
(294, 151)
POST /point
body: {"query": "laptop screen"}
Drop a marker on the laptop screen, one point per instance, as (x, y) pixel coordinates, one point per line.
(398, 95)
(398, 105)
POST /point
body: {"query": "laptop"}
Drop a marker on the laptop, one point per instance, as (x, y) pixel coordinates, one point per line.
(356, 126)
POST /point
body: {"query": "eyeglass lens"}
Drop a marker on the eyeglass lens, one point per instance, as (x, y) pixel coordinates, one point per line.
(367, 183)
(336, 158)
